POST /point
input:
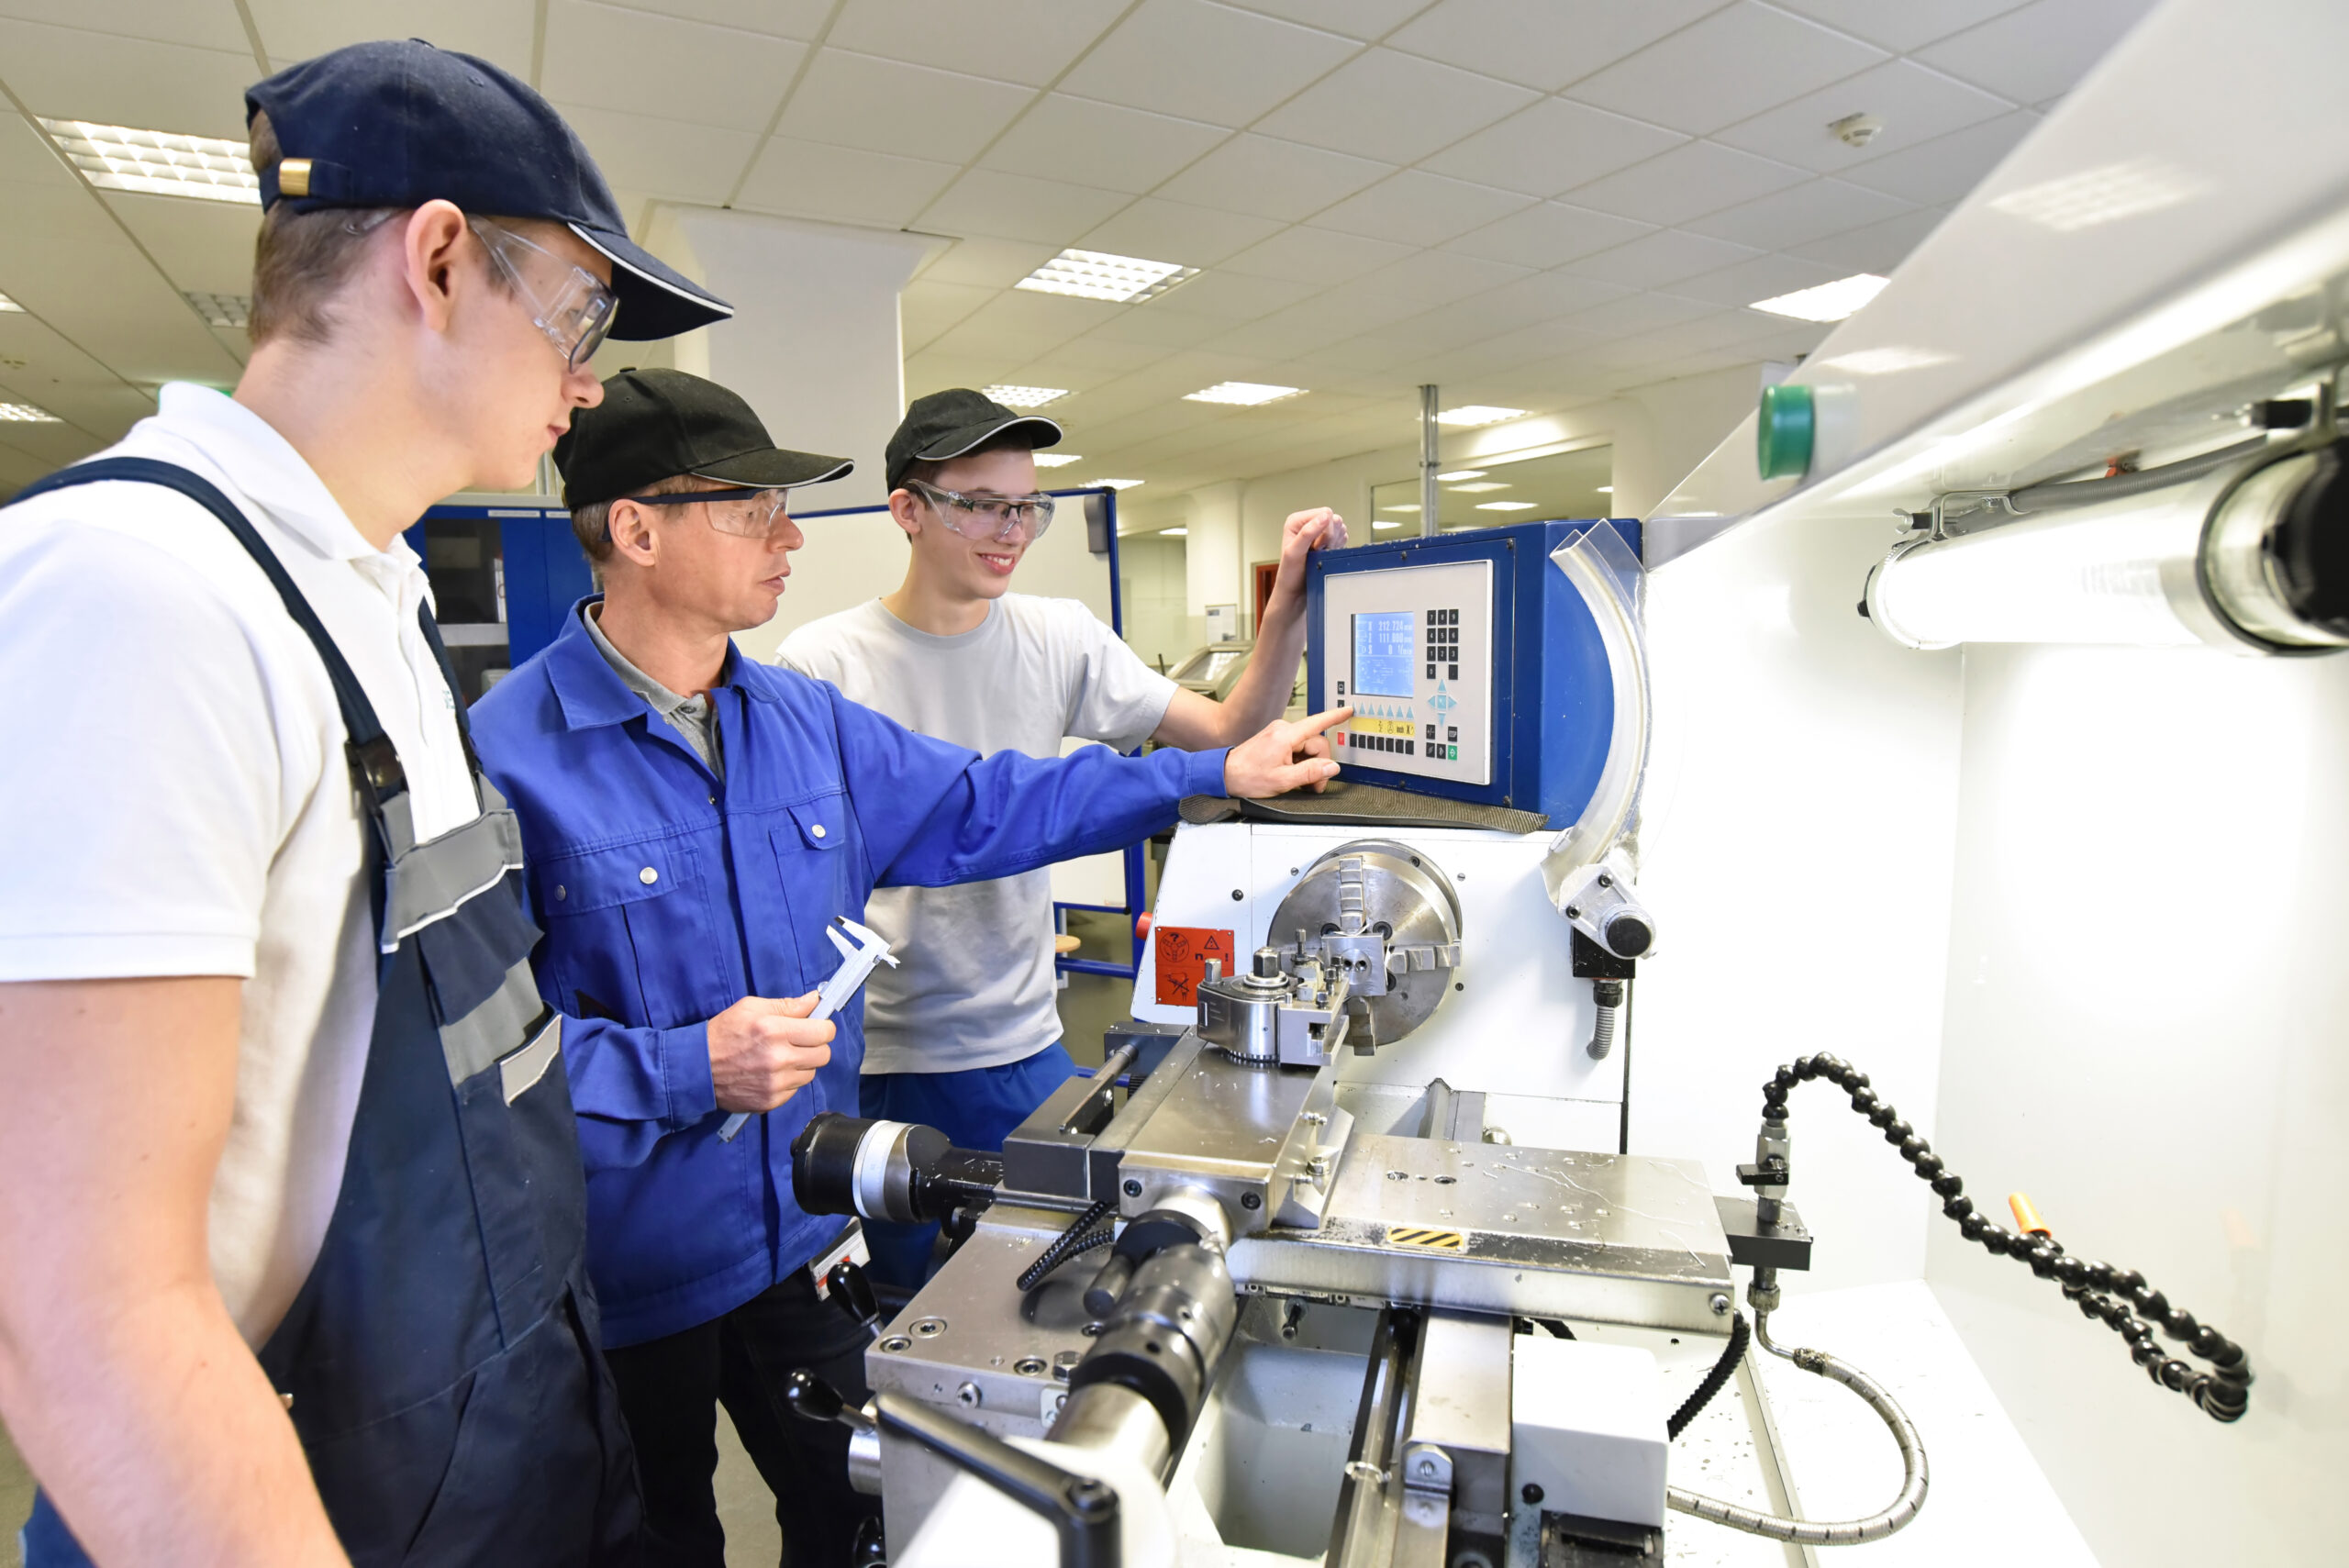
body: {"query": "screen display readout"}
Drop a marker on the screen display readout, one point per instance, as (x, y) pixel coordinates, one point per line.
(1385, 643)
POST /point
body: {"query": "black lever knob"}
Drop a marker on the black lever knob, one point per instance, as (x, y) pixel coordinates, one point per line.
(811, 1398)
(851, 1291)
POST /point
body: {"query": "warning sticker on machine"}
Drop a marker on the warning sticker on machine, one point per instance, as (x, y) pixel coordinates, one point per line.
(1182, 954)
(1425, 1240)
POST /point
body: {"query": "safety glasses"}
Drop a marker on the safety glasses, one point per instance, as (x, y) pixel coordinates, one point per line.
(988, 518)
(575, 314)
(752, 514)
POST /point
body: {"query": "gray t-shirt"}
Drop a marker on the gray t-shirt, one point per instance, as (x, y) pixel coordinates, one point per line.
(976, 988)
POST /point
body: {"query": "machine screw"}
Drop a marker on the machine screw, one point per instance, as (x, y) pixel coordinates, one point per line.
(1531, 1492)
(1132, 1188)
(1237, 896)
(1066, 1359)
(1251, 1201)
(1605, 880)
(1574, 912)
(1314, 1119)
(1720, 1304)
(969, 1394)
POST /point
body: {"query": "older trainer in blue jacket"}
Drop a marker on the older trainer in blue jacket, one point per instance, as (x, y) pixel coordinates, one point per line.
(693, 820)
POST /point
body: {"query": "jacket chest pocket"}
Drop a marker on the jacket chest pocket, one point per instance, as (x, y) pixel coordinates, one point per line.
(627, 933)
(818, 877)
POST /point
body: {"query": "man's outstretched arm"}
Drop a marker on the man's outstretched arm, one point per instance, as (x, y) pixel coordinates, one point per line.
(122, 1378)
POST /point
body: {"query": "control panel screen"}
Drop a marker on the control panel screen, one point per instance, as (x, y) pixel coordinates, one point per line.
(1385, 644)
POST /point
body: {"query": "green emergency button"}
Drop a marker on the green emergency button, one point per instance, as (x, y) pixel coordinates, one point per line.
(1782, 435)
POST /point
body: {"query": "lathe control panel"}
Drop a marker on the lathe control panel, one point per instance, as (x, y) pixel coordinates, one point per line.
(1409, 648)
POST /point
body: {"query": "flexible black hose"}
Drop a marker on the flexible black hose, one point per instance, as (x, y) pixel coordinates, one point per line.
(1069, 1243)
(1723, 1370)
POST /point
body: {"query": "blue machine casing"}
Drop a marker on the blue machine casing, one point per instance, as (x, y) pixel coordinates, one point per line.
(1553, 695)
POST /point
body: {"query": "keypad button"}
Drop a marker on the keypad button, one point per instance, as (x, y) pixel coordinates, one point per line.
(1456, 673)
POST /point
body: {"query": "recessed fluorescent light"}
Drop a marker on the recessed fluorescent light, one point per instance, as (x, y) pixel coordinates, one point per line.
(1056, 460)
(1827, 302)
(1478, 413)
(7, 304)
(2102, 195)
(1246, 393)
(1095, 274)
(1174, 533)
(1383, 523)
(222, 309)
(1607, 490)
(1460, 473)
(1488, 486)
(1505, 506)
(25, 414)
(1111, 484)
(159, 163)
(1885, 361)
(1023, 397)
(1400, 506)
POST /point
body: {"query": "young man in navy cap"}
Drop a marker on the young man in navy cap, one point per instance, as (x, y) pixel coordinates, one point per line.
(693, 823)
(965, 1034)
(291, 1250)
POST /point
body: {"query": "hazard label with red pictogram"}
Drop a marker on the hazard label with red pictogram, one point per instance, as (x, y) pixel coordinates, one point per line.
(1182, 954)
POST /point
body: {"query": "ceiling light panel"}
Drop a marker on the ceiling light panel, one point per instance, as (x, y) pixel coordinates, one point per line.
(1828, 302)
(1057, 460)
(1246, 393)
(1505, 506)
(1024, 396)
(1174, 533)
(25, 414)
(222, 310)
(6, 303)
(1488, 486)
(1459, 473)
(1096, 274)
(1111, 484)
(1471, 413)
(158, 162)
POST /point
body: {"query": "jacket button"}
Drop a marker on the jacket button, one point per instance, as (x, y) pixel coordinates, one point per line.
(560, 892)
(648, 876)
(817, 830)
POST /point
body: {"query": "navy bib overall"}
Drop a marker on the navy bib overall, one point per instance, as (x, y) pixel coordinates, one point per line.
(440, 1362)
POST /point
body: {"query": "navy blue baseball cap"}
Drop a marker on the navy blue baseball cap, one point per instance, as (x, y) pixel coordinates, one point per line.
(399, 124)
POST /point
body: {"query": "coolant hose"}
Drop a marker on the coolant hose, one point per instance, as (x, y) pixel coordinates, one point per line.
(1876, 1526)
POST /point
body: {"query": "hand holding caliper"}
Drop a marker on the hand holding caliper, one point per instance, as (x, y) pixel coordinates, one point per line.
(861, 948)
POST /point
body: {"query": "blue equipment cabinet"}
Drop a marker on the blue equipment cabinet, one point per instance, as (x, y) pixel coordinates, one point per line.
(1474, 667)
(503, 576)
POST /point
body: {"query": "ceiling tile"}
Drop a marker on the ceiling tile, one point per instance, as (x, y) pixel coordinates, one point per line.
(785, 18)
(1235, 297)
(202, 26)
(1904, 26)
(1808, 211)
(1412, 208)
(1204, 61)
(1634, 313)
(1548, 235)
(1435, 277)
(925, 309)
(1163, 328)
(1762, 277)
(1271, 178)
(1688, 182)
(1551, 296)
(709, 75)
(2040, 51)
(1028, 41)
(1176, 231)
(993, 263)
(205, 246)
(497, 30)
(1013, 207)
(1361, 109)
(1879, 247)
(666, 158)
(1944, 170)
(1354, 18)
(1656, 260)
(1731, 66)
(1315, 255)
(65, 261)
(66, 73)
(1543, 43)
(1915, 104)
(807, 179)
(885, 105)
(1103, 145)
(1086, 359)
(1551, 147)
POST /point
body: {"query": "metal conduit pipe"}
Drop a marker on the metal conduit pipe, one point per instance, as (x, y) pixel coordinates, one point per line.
(1876, 1526)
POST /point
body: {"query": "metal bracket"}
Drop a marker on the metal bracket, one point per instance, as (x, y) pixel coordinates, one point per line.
(1752, 1244)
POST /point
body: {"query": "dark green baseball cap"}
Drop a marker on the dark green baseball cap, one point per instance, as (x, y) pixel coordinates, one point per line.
(657, 424)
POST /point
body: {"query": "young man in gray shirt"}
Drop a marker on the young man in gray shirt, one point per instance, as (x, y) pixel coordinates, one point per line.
(965, 1036)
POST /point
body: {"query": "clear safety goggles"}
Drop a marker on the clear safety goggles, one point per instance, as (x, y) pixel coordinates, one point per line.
(577, 315)
(752, 514)
(988, 518)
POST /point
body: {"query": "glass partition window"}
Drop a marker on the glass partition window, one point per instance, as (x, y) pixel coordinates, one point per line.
(1492, 491)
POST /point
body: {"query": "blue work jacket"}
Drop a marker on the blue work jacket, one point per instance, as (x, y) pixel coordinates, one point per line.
(668, 894)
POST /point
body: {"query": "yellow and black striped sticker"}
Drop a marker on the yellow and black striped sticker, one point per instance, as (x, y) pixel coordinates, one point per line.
(1425, 1240)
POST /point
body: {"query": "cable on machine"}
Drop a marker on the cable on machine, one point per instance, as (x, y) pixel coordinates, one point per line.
(1694, 1404)
(1071, 1242)
(2110, 1296)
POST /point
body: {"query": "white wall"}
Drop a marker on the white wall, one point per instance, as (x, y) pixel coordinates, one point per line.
(2147, 1006)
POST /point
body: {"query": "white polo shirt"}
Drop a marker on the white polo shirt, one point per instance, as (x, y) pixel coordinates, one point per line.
(176, 796)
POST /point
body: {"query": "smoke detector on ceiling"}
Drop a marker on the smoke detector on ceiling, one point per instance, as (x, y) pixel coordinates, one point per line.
(1855, 130)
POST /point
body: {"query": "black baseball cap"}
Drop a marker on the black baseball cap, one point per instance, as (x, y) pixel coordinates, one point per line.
(948, 424)
(399, 124)
(656, 424)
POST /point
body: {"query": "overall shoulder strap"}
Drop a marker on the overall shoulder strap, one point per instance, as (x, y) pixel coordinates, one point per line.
(374, 766)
